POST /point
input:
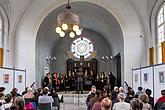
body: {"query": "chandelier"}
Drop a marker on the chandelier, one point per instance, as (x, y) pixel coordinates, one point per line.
(68, 22)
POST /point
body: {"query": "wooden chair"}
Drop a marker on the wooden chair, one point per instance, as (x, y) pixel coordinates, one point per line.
(44, 106)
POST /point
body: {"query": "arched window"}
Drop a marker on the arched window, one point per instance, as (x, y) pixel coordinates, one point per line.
(160, 31)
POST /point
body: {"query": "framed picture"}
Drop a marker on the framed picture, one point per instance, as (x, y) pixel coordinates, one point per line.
(6, 78)
(136, 77)
(161, 77)
(19, 78)
(145, 77)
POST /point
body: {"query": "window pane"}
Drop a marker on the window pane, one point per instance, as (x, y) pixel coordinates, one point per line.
(161, 31)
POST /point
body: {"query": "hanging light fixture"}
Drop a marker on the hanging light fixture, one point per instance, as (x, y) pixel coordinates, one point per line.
(68, 22)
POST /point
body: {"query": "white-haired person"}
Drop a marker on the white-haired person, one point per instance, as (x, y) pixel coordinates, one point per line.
(121, 105)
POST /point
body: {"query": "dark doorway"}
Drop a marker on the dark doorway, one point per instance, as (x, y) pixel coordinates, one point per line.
(117, 65)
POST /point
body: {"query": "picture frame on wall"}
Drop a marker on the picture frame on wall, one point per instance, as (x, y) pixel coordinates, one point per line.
(145, 77)
(19, 78)
(6, 78)
(136, 78)
(161, 77)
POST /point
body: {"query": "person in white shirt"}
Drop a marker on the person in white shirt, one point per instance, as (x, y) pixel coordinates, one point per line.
(121, 105)
(45, 98)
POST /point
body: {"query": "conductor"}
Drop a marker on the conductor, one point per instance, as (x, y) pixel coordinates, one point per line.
(80, 80)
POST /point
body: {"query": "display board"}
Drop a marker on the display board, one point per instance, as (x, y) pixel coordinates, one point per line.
(159, 80)
(136, 79)
(20, 80)
(147, 78)
(6, 76)
(12, 78)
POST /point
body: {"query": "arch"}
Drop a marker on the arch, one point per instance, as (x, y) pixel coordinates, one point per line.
(5, 33)
(35, 16)
(153, 23)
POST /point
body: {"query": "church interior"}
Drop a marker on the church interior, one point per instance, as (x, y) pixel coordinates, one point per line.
(76, 46)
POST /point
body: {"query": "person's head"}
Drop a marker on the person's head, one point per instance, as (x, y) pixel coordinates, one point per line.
(39, 90)
(45, 91)
(15, 90)
(148, 92)
(106, 104)
(163, 92)
(48, 74)
(52, 90)
(98, 93)
(121, 97)
(8, 98)
(2, 89)
(29, 90)
(140, 88)
(131, 93)
(19, 103)
(116, 89)
(136, 104)
(104, 93)
(1, 96)
(144, 98)
(93, 89)
(13, 93)
(121, 90)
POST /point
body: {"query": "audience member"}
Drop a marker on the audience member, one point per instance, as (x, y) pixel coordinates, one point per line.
(106, 104)
(97, 101)
(114, 95)
(8, 101)
(14, 92)
(130, 96)
(45, 98)
(144, 99)
(160, 104)
(2, 98)
(2, 89)
(121, 90)
(136, 104)
(91, 94)
(151, 99)
(19, 104)
(24, 92)
(140, 91)
(55, 98)
(121, 105)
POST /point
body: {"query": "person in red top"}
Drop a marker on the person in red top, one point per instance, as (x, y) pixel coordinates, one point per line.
(160, 104)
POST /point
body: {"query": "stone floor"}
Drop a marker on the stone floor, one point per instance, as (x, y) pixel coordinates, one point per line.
(71, 102)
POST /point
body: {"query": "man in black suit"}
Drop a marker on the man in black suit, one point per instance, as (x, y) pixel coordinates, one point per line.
(47, 81)
(80, 80)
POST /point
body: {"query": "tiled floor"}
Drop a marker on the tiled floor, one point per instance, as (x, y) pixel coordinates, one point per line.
(71, 102)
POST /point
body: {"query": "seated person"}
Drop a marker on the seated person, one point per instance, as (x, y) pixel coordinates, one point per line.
(45, 99)
(106, 104)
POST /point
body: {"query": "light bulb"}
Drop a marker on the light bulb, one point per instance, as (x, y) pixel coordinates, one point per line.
(78, 32)
(58, 29)
(72, 34)
(75, 27)
(62, 34)
(64, 26)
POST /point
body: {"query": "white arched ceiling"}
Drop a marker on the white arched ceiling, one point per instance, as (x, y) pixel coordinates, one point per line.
(94, 22)
(134, 46)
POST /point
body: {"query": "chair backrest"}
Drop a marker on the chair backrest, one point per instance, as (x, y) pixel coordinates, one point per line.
(44, 106)
(56, 102)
